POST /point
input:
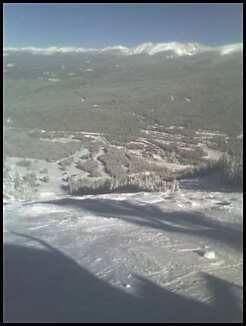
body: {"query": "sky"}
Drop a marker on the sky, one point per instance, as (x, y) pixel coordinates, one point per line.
(101, 25)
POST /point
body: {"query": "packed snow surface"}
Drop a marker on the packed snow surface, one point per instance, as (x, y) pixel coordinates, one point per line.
(125, 257)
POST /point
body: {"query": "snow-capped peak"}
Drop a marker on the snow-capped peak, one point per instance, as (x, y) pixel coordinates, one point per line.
(180, 49)
(49, 50)
(230, 48)
(142, 48)
(116, 48)
(149, 48)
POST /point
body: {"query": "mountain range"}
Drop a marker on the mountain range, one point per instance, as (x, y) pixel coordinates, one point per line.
(173, 49)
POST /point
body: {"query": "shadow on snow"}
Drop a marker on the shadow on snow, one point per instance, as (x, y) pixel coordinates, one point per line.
(194, 224)
(47, 286)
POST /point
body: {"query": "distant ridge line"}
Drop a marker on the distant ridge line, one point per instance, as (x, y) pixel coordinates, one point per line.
(149, 48)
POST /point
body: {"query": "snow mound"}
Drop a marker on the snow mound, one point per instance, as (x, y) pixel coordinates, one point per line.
(53, 80)
(209, 255)
(10, 65)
